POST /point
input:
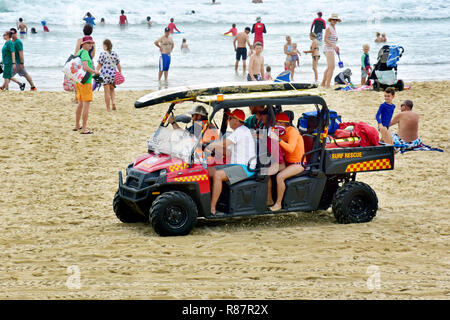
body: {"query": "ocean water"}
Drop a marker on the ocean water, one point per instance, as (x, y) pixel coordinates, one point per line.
(421, 27)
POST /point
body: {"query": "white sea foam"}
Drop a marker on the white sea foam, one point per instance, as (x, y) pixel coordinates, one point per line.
(420, 26)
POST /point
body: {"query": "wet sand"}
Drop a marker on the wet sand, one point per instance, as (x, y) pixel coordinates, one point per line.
(57, 217)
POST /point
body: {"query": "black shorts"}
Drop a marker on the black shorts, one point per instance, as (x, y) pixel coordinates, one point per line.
(241, 52)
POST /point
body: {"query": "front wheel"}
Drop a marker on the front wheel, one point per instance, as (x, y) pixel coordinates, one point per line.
(355, 202)
(124, 212)
(400, 85)
(173, 213)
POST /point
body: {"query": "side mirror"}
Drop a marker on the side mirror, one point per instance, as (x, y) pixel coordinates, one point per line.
(183, 118)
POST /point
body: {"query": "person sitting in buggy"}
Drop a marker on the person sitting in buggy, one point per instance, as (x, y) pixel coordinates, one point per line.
(292, 144)
(199, 117)
(243, 156)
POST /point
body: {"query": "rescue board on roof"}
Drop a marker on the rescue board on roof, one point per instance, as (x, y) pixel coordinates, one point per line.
(257, 95)
(186, 93)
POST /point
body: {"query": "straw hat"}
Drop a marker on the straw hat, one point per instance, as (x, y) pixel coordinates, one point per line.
(334, 16)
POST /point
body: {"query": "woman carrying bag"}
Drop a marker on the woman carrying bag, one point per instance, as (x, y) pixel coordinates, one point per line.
(108, 62)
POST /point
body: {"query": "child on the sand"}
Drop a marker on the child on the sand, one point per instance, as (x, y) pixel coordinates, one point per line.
(386, 109)
(267, 75)
(365, 64)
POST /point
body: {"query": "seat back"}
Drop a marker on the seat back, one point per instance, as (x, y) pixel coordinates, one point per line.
(308, 142)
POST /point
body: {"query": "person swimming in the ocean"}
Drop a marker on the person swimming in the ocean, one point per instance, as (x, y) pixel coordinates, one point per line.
(89, 19)
(149, 23)
(184, 46)
(172, 26)
(44, 24)
(23, 29)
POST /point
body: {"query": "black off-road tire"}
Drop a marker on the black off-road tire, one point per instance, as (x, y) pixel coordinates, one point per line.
(328, 194)
(355, 202)
(400, 85)
(376, 85)
(173, 213)
(124, 213)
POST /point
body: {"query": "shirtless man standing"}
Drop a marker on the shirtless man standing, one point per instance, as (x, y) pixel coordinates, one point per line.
(165, 45)
(256, 64)
(241, 50)
(23, 29)
(408, 128)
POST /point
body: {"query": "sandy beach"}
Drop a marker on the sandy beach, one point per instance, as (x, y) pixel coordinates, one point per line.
(57, 218)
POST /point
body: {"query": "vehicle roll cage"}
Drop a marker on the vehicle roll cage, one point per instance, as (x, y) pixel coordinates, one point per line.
(318, 148)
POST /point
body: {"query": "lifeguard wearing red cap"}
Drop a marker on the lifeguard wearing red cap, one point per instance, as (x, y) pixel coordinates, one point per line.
(238, 114)
(282, 118)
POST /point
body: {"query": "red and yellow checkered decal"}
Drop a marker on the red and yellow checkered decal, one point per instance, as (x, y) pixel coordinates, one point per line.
(202, 177)
(379, 164)
(178, 167)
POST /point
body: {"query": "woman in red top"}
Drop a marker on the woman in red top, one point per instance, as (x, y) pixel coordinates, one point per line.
(292, 144)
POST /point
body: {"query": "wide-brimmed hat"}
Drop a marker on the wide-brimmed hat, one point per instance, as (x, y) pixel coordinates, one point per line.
(198, 110)
(238, 114)
(334, 16)
(87, 39)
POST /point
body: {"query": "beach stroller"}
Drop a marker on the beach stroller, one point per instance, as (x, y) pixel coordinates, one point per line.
(384, 73)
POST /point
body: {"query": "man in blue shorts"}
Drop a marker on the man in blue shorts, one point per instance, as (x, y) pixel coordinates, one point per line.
(165, 45)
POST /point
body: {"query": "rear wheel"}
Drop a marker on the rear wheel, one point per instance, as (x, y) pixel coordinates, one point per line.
(328, 194)
(173, 214)
(355, 202)
(400, 85)
(124, 212)
(376, 85)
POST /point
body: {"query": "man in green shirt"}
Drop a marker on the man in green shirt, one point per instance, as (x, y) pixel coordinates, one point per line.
(8, 59)
(84, 90)
(20, 68)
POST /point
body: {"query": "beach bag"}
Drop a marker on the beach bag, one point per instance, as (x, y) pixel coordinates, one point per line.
(68, 84)
(73, 69)
(333, 124)
(118, 77)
